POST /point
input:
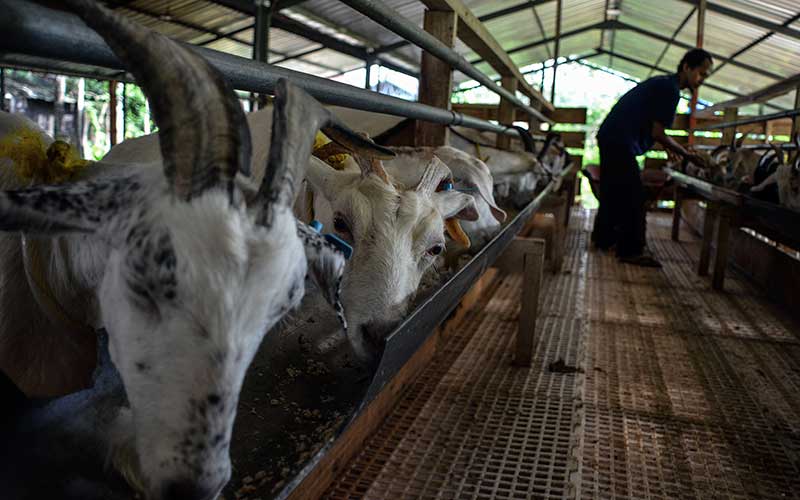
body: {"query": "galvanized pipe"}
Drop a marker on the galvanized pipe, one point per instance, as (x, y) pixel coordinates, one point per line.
(394, 21)
(32, 30)
(755, 119)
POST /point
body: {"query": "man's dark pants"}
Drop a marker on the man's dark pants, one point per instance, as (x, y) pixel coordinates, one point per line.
(621, 218)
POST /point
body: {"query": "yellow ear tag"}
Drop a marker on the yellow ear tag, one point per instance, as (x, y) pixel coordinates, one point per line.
(336, 160)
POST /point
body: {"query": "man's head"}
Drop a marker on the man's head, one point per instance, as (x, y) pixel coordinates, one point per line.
(694, 68)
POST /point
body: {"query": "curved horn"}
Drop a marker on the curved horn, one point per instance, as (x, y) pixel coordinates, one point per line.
(526, 137)
(296, 118)
(549, 140)
(435, 172)
(778, 152)
(202, 129)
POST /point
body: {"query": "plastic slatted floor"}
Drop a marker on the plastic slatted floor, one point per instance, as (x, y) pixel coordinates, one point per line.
(681, 393)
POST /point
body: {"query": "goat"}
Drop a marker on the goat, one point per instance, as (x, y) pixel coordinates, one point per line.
(787, 179)
(396, 233)
(470, 175)
(171, 257)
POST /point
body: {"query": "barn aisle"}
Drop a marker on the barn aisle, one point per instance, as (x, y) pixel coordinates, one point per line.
(646, 384)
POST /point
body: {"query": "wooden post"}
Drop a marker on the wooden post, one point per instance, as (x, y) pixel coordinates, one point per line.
(796, 118)
(505, 113)
(701, 26)
(533, 267)
(3, 90)
(436, 77)
(723, 249)
(712, 213)
(729, 133)
(676, 214)
(112, 110)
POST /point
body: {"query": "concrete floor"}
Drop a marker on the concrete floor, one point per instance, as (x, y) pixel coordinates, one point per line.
(667, 390)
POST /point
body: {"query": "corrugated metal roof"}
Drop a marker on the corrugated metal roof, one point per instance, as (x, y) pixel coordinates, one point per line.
(204, 22)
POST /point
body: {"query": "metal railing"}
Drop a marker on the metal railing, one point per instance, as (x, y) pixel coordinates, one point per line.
(32, 32)
(749, 120)
(394, 21)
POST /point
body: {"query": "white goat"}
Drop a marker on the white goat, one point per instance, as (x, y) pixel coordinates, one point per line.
(470, 175)
(396, 233)
(172, 261)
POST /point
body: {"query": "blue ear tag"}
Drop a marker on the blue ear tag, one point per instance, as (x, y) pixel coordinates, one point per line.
(340, 244)
(334, 240)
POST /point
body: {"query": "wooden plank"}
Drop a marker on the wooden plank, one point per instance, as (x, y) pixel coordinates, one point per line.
(568, 115)
(533, 266)
(676, 214)
(505, 112)
(682, 122)
(436, 78)
(353, 439)
(761, 95)
(475, 35)
(577, 160)
(654, 162)
(573, 139)
(795, 119)
(712, 214)
(729, 133)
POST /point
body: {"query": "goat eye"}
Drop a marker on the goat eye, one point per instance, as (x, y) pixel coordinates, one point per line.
(341, 226)
(435, 250)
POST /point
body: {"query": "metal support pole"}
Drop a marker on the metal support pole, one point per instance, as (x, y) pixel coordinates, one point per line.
(3, 89)
(701, 26)
(394, 21)
(263, 16)
(112, 111)
(556, 52)
(368, 75)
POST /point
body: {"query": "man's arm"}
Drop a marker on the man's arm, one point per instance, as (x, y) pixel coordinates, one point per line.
(671, 145)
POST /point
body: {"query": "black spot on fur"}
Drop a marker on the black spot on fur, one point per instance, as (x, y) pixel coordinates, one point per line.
(214, 399)
(142, 367)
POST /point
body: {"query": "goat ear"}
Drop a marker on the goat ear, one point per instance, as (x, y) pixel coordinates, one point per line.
(737, 143)
(325, 267)
(79, 207)
(454, 204)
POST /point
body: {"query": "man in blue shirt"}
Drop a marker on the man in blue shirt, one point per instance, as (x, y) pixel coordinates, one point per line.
(637, 120)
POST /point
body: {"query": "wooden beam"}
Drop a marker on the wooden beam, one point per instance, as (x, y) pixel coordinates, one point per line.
(796, 119)
(475, 35)
(729, 133)
(436, 77)
(505, 112)
(760, 95)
